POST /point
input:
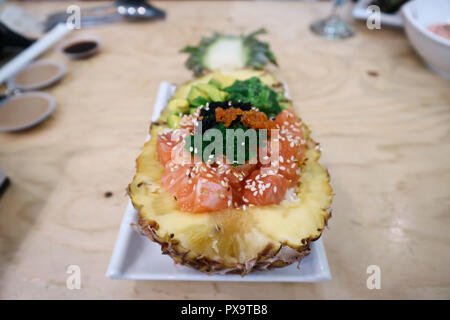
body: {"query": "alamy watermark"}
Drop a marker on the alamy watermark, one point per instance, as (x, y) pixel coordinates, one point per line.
(74, 19)
(374, 280)
(374, 19)
(73, 281)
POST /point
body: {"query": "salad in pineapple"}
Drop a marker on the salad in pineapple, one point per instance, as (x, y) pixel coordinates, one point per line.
(249, 205)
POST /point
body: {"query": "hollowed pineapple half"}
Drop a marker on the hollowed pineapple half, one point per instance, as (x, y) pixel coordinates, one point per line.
(233, 240)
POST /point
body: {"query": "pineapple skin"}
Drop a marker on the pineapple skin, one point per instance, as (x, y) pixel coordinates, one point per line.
(274, 251)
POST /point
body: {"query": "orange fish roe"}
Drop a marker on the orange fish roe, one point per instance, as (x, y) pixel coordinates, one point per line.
(256, 120)
(227, 116)
(252, 118)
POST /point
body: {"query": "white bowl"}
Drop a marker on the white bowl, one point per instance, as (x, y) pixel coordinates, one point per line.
(434, 49)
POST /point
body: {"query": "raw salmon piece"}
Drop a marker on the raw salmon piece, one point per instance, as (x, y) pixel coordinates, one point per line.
(205, 191)
(164, 146)
(263, 189)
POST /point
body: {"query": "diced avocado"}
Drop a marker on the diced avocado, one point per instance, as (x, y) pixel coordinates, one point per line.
(214, 83)
(213, 93)
(223, 80)
(173, 121)
(196, 92)
(178, 105)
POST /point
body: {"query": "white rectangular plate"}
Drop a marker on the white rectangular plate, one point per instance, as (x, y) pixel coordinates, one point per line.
(135, 257)
(360, 12)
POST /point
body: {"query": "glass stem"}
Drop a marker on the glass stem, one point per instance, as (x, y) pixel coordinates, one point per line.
(336, 4)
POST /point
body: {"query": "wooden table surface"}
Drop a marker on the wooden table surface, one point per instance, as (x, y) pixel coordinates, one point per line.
(380, 115)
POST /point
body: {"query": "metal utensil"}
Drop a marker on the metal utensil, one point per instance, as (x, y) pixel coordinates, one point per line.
(138, 9)
(117, 11)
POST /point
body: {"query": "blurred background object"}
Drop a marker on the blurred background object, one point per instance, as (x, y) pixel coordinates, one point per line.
(20, 21)
(390, 17)
(11, 42)
(4, 182)
(419, 16)
(118, 10)
(81, 47)
(333, 27)
(24, 110)
(388, 6)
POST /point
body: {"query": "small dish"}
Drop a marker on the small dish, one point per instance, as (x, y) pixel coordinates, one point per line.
(81, 47)
(37, 75)
(135, 257)
(25, 110)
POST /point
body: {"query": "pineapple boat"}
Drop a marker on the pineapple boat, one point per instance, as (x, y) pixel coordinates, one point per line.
(218, 213)
(229, 181)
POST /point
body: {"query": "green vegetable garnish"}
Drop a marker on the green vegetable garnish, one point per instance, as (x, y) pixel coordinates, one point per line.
(200, 140)
(199, 101)
(257, 94)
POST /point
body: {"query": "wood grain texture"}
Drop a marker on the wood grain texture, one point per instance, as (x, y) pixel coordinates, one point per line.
(381, 117)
